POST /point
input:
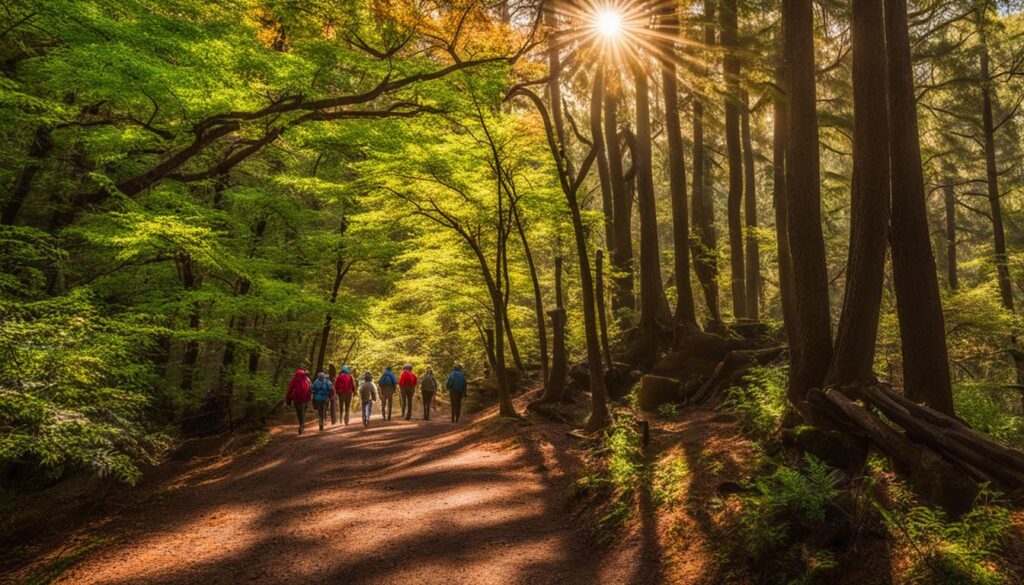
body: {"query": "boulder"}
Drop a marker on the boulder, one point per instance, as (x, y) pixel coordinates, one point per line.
(657, 390)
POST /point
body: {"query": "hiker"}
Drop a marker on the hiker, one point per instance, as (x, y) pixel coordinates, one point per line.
(322, 391)
(407, 384)
(332, 376)
(344, 387)
(428, 386)
(367, 395)
(387, 385)
(456, 386)
(298, 394)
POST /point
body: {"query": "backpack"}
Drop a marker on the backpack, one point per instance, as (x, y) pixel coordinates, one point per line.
(321, 390)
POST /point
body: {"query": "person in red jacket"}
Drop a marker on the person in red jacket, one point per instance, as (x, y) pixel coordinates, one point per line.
(299, 395)
(345, 386)
(407, 384)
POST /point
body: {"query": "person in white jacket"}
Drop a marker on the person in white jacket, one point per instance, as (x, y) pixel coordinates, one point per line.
(367, 396)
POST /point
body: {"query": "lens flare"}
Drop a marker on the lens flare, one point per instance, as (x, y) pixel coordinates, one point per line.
(609, 23)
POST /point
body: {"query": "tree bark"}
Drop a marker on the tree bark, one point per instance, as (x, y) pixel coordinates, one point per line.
(604, 175)
(705, 242)
(922, 330)
(538, 300)
(685, 314)
(621, 246)
(752, 255)
(780, 133)
(992, 181)
(853, 359)
(601, 317)
(645, 345)
(731, 71)
(812, 322)
(554, 387)
(949, 200)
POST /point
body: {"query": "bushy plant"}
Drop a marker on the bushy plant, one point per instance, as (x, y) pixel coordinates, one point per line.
(620, 475)
(785, 496)
(760, 402)
(73, 387)
(962, 551)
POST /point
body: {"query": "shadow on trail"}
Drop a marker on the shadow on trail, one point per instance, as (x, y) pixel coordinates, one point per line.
(399, 502)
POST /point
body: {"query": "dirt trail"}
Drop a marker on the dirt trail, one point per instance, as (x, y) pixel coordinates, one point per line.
(400, 502)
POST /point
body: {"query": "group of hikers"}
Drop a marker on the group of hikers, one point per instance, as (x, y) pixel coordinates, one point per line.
(333, 394)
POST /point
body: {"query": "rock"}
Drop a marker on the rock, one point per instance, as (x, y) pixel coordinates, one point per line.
(658, 390)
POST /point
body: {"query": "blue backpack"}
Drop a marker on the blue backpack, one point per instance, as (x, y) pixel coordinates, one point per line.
(321, 390)
(388, 379)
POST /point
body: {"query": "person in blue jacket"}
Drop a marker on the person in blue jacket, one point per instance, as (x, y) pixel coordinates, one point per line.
(322, 391)
(387, 383)
(456, 386)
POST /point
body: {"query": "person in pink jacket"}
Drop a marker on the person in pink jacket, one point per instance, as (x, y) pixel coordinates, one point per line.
(299, 395)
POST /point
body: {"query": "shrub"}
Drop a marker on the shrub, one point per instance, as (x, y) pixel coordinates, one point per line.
(785, 496)
(761, 402)
(74, 388)
(948, 551)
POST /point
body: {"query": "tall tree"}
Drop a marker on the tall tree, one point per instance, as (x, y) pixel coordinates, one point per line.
(623, 300)
(685, 314)
(705, 242)
(752, 255)
(812, 321)
(728, 16)
(645, 344)
(853, 358)
(922, 330)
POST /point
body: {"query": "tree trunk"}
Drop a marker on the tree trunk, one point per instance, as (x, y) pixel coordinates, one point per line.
(554, 387)
(705, 242)
(949, 200)
(853, 359)
(922, 330)
(812, 322)
(645, 346)
(992, 180)
(604, 175)
(190, 282)
(621, 246)
(780, 132)
(538, 300)
(731, 71)
(601, 317)
(753, 251)
(685, 315)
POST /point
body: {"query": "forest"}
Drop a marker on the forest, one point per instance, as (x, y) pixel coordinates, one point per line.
(782, 237)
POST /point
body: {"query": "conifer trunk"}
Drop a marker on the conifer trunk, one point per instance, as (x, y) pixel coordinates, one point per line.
(853, 359)
(731, 71)
(922, 329)
(812, 321)
(753, 251)
(705, 241)
(685, 314)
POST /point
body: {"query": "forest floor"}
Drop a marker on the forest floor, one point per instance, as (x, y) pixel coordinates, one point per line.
(398, 502)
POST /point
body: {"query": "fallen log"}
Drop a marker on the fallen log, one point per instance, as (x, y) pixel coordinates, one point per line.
(734, 361)
(921, 431)
(930, 474)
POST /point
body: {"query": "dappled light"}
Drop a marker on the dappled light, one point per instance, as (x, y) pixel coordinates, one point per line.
(512, 291)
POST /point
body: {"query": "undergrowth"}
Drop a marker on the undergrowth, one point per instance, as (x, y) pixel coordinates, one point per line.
(617, 479)
(761, 401)
(963, 551)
